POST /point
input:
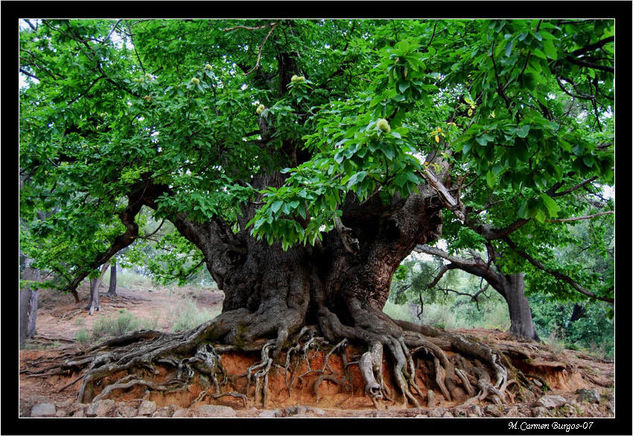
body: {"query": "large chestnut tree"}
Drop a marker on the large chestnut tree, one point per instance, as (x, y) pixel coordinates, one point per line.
(300, 161)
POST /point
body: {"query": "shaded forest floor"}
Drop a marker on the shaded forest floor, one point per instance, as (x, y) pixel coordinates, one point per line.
(575, 384)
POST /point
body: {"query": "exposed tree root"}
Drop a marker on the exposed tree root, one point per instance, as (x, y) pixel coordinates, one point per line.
(463, 369)
(259, 372)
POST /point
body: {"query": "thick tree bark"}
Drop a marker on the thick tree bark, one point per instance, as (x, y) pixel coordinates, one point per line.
(283, 291)
(28, 304)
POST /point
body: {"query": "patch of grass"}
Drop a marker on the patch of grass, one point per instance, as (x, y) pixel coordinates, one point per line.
(122, 324)
(403, 312)
(555, 342)
(111, 326)
(34, 344)
(188, 315)
(83, 336)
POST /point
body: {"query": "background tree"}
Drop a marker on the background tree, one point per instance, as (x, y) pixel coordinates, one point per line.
(112, 283)
(303, 160)
(29, 277)
(542, 242)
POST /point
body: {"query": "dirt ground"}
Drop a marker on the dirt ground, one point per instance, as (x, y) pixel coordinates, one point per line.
(577, 384)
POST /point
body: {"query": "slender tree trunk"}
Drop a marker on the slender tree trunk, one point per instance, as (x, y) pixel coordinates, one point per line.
(521, 324)
(95, 302)
(112, 287)
(28, 304)
(578, 312)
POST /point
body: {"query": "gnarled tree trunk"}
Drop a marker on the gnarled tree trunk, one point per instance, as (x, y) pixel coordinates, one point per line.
(281, 302)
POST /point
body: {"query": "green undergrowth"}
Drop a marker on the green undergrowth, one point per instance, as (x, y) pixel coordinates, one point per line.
(189, 315)
(186, 315)
(491, 314)
(111, 326)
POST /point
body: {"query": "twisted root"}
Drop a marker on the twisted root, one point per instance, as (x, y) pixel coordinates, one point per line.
(190, 353)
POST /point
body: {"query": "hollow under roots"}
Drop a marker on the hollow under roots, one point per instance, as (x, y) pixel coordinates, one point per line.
(418, 361)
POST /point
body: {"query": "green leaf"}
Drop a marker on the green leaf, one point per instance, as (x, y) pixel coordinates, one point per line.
(523, 131)
(540, 216)
(276, 206)
(413, 178)
(578, 149)
(484, 139)
(523, 210)
(498, 169)
(356, 178)
(550, 204)
(491, 179)
(550, 49)
(467, 147)
(508, 49)
(388, 152)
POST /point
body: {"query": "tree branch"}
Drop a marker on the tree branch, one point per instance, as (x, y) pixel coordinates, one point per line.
(155, 231)
(501, 89)
(87, 90)
(475, 266)
(593, 46)
(581, 63)
(474, 297)
(444, 255)
(556, 274)
(33, 76)
(440, 274)
(112, 31)
(490, 233)
(261, 47)
(120, 242)
(228, 29)
(573, 188)
(449, 201)
(580, 95)
(580, 218)
(134, 47)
